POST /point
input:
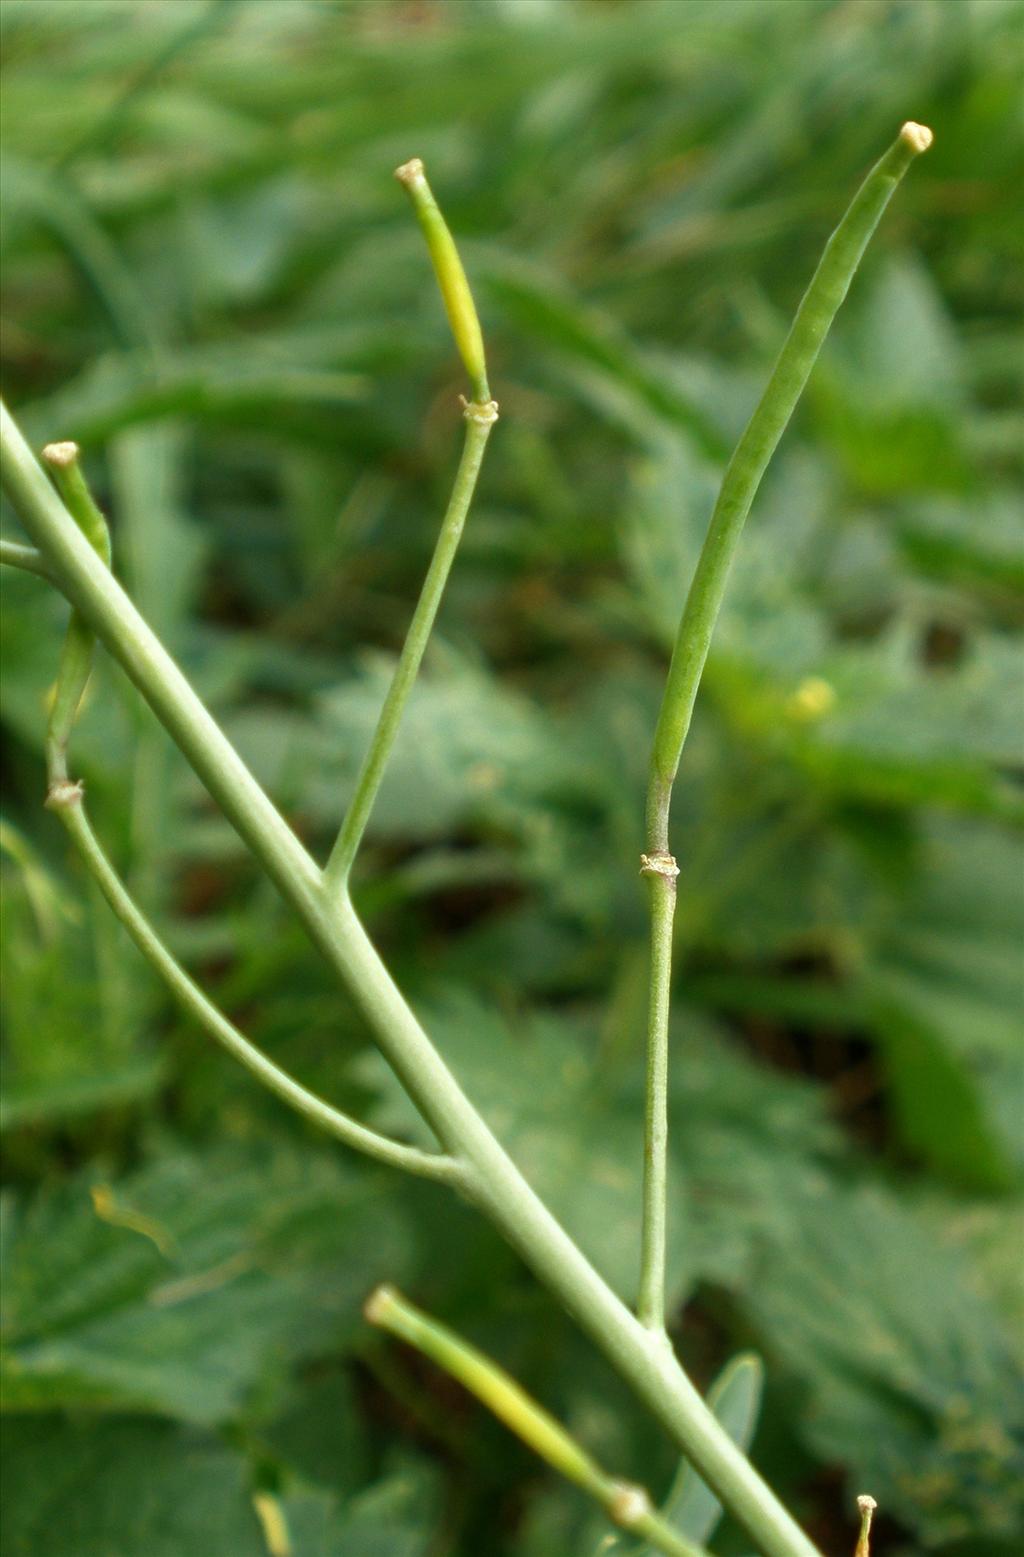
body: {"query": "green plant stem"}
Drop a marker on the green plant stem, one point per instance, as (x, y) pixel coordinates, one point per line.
(14, 555)
(743, 474)
(479, 421)
(66, 800)
(626, 1505)
(492, 1182)
(660, 871)
(758, 442)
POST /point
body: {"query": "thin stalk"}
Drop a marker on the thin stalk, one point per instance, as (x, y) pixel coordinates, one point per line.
(479, 421)
(661, 871)
(66, 800)
(14, 555)
(758, 442)
(480, 417)
(493, 1181)
(626, 1505)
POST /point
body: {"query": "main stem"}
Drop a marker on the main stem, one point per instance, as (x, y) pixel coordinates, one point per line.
(479, 421)
(495, 1184)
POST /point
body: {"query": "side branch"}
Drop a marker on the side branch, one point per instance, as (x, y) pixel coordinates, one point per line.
(626, 1505)
(14, 555)
(758, 442)
(479, 421)
(480, 416)
(66, 800)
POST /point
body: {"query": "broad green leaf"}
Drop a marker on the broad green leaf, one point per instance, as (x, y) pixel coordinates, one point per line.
(944, 985)
(185, 1286)
(121, 1487)
(134, 1487)
(71, 1044)
(908, 1380)
(395, 1517)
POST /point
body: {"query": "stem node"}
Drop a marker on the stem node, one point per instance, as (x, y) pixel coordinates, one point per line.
(64, 794)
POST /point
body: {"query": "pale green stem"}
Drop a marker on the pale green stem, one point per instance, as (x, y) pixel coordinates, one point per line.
(479, 421)
(661, 871)
(626, 1505)
(66, 800)
(494, 1183)
(14, 555)
(819, 306)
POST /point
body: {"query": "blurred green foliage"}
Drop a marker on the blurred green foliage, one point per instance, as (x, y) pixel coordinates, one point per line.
(213, 284)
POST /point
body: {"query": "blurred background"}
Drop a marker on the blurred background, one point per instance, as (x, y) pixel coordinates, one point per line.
(214, 284)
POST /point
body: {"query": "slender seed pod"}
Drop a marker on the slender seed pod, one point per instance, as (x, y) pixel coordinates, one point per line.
(625, 1504)
(819, 306)
(451, 277)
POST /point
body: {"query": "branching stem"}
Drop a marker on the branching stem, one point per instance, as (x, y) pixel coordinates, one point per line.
(493, 1182)
(487, 1175)
(66, 800)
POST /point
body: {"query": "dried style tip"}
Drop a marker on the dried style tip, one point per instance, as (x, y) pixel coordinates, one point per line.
(378, 1305)
(867, 1505)
(410, 171)
(61, 455)
(917, 136)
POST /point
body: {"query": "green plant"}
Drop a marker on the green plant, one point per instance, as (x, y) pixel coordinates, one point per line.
(72, 551)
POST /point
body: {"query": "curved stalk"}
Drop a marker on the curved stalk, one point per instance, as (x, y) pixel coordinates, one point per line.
(758, 442)
(66, 800)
